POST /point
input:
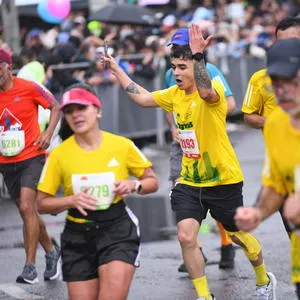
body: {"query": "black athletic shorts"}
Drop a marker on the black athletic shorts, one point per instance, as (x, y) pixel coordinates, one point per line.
(194, 202)
(25, 173)
(87, 246)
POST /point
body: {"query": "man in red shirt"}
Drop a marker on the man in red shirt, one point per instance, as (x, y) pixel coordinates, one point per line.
(22, 156)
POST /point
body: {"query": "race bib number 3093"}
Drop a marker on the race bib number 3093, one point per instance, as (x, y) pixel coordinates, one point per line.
(189, 144)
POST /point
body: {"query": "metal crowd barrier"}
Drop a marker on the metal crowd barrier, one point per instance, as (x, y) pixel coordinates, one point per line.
(122, 116)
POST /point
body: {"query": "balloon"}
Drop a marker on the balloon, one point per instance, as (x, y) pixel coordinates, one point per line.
(59, 8)
(45, 15)
(95, 27)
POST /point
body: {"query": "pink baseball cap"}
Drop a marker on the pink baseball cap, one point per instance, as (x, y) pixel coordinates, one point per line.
(79, 96)
(5, 57)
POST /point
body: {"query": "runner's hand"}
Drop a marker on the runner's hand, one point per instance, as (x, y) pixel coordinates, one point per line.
(197, 41)
(43, 142)
(247, 218)
(110, 63)
(124, 188)
(83, 201)
(175, 135)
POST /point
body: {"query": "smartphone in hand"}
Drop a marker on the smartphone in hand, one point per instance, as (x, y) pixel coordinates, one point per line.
(105, 47)
(105, 52)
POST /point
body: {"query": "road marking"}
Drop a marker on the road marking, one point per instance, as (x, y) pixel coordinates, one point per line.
(18, 293)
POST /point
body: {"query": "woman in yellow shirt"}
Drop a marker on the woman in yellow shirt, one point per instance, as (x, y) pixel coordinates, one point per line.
(100, 242)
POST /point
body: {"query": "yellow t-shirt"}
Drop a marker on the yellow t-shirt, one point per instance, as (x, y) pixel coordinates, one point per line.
(208, 156)
(259, 97)
(283, 156)
(115, 154)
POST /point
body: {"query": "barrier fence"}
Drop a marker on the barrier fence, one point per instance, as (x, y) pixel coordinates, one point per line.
(122, 116)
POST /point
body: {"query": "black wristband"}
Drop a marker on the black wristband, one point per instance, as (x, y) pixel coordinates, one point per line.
(198, 56)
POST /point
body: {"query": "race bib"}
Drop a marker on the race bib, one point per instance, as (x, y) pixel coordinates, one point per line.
(189, 144)
(12, 142)
(99, 185)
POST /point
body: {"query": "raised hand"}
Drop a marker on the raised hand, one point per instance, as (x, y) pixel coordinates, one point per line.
(197, 42)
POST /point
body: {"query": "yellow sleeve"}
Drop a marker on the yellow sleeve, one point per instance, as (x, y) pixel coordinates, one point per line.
(219, 88)
(253, 98)
(51, 177)
(271, 176)
(163, 98)
(136, 161)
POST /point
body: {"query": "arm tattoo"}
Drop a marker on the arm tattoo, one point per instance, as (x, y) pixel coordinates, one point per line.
(201, 76)
(132, 88)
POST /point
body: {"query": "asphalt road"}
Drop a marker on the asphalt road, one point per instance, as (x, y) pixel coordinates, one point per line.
(157, 278)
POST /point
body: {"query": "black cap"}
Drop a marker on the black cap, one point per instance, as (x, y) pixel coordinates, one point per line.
(283, 58)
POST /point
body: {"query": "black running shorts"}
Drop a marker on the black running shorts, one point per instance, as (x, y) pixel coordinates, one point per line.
(194, 202)
(22, 174)
(87, 246)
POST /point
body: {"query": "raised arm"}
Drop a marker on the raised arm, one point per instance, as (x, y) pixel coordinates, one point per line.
(202, 79)
(136, 92)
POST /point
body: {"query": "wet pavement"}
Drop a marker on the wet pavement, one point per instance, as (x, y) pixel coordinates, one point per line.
(157, 278)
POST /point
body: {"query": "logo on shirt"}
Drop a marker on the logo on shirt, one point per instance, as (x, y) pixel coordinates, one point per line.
(8, 121)
(113, 163)
(17, 99)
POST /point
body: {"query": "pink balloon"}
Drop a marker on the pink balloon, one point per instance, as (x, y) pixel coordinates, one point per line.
(59, 8)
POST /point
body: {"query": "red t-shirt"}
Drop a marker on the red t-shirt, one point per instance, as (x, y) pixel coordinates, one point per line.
(19, 111)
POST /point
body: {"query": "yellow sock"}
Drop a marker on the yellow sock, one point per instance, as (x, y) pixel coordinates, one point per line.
(201, 287)
(261, 275)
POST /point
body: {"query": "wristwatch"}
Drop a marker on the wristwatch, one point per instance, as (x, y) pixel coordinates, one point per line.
(198, 56)
(137, 187)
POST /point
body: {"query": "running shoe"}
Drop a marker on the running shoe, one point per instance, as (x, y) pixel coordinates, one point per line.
(227, 257)
(29, 274)
(53, 263)
(182, 267)
(212, 297)
(267, 292)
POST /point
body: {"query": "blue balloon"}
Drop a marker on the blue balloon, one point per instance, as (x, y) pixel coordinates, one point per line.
(45, 14)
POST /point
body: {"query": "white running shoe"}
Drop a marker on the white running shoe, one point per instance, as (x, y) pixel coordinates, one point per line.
(212, 297)
(267, 292)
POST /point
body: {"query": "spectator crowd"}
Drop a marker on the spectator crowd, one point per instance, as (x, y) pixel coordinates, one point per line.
(239, 28)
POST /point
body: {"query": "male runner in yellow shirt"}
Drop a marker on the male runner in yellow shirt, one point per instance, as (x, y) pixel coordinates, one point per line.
(282, 138)
(211, 177)
(260, 99)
